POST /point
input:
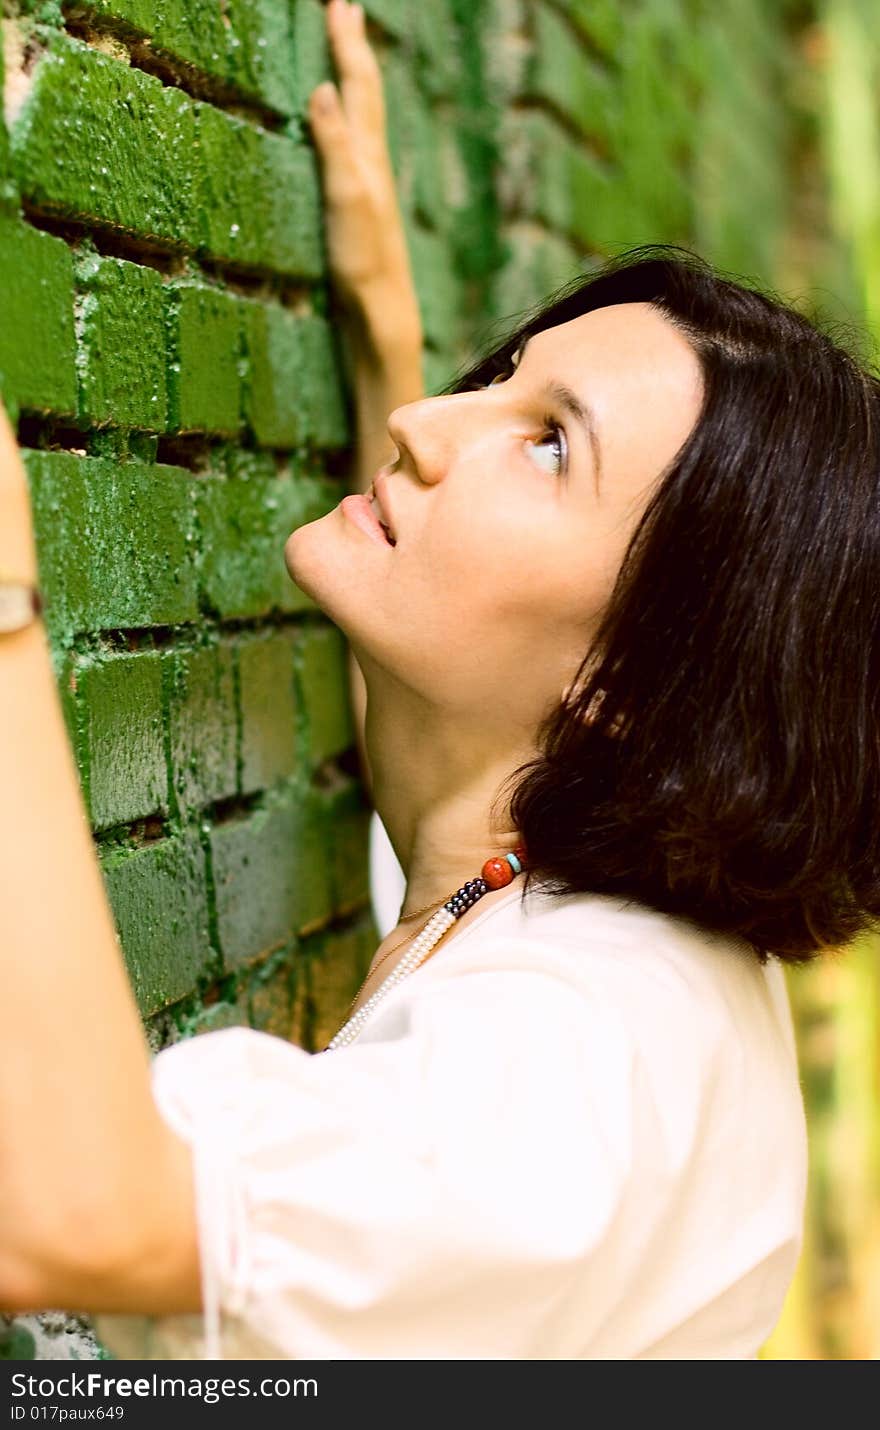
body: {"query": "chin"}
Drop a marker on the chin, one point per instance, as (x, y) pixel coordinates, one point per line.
(302, 557)
(294, 548)
(305, 557)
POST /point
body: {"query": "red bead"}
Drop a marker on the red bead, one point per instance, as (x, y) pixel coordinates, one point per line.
(497, 873)
(520, 852)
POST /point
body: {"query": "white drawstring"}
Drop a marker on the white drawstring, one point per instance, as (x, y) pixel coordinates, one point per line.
(224, 1240)
(209, 1199)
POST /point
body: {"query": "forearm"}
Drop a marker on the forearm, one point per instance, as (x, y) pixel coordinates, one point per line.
(77, 1120)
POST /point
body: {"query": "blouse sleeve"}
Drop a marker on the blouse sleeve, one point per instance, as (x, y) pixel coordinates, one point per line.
(427, 1193)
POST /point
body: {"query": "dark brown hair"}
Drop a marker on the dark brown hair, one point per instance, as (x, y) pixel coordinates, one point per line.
(718, 757)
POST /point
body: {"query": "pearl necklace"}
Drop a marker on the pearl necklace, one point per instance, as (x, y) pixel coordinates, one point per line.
(495, 874)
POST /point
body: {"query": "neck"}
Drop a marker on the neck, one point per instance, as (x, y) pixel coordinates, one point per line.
(435, 776)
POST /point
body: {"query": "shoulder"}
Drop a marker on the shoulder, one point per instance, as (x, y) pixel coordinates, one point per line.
(598, 943)
(680, 996)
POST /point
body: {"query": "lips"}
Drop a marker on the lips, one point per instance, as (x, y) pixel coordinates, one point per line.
(379, 494)
(359, 510)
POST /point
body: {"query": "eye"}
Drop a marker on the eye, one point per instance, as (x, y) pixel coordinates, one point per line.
(554, 437)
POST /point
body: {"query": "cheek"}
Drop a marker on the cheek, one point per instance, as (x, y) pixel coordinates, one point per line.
(508, 583)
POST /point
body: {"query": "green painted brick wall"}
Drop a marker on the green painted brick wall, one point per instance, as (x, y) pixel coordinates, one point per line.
(169, 349)
(120, 308)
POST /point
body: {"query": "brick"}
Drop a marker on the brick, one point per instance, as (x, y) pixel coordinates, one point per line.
(115, 542)
(321, 654)
(238, 576)
(212, 1019)
(335, 971)
(99, 140)
(37, 344)
(268, 709)
(271, 997)
(347, 816)
(274, 387)
(290, 174)
(271, 875)
(652, 124)
(199, 695)
(293, 392)
(601, 21)
(571, 191)
(300, 499)
(325, 412)
(245, 522)
(436, 284)
(8, 196)
(562, 74)
(538, 263)
(261, 51)
(300, 1007)
(4, 138)
(204, 377)
(424, 149)
(286, 596)
(192, 30)
(430, 202)
(401, 104)
(394, 16)
(311, 51)
(113, 704)
(244, 43)
(260, 199)
(141, 446)
(437, 51)
(159, 901)
(16, 1342)
(122, 355)
(236, 206)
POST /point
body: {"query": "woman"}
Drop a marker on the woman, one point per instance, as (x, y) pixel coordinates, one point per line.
(621, 666)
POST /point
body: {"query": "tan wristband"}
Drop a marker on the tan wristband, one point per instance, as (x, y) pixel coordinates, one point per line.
(21, 603)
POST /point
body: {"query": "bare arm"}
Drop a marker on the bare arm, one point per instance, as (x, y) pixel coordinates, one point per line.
(96, 1190)
(369, 265)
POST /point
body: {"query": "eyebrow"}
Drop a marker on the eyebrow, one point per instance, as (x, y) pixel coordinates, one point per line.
(575, 406)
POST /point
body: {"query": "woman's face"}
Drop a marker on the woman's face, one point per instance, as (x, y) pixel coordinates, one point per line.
(509, 534)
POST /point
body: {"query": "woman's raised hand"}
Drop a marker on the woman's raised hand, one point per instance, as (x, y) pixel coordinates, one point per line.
(366, 242)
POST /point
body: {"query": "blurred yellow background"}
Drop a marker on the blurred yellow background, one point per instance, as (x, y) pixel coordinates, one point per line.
(833, 1308)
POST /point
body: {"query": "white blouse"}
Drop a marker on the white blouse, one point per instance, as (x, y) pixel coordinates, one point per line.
(577, 1132)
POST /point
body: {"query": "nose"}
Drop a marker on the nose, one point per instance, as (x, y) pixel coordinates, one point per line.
(427, 434)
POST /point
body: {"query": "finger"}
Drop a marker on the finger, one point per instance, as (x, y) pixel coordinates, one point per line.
(358, 67)
(360, 75)
(332, 136)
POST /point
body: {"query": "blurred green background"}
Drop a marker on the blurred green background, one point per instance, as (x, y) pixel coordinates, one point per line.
(829, 263)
